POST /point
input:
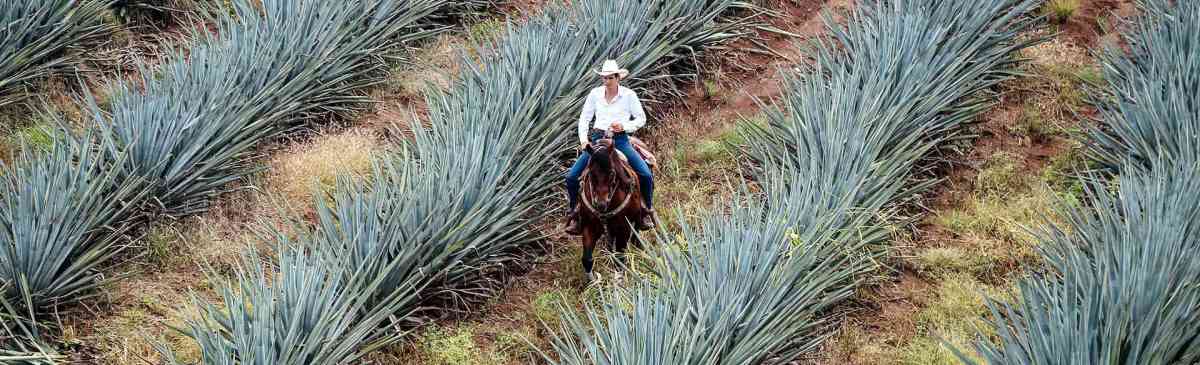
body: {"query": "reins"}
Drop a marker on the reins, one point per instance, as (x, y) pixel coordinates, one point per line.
(612, 213)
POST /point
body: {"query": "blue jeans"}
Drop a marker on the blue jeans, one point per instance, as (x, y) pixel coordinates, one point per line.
(621, 143)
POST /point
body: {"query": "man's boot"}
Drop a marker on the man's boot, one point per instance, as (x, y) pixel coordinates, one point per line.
(572, 227)
(646, 222)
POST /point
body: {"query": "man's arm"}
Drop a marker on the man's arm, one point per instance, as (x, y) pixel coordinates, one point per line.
(589, 110)
(639, 115)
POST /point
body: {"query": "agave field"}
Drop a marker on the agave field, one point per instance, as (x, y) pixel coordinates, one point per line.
(1121, 286)
(455, 210)
(749, 284)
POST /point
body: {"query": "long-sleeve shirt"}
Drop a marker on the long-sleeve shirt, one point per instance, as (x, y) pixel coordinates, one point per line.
(626, 109)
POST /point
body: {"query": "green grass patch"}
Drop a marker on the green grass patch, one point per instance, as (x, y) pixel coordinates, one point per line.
(1001, 175)
(546, 306)
(443, 346)
(942, 261)
(513, 345)
(998, 231)
(486, 31)
(1063, 173)
(1090, 75)
(953, 314)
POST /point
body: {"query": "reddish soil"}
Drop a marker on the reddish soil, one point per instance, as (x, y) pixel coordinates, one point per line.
(754, 77)
(1084, 28)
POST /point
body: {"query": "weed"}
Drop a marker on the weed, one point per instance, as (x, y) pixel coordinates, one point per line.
(485, 31)
(448, 347)
(513, 346)
(1063, 173)
(1032, 125)
(999, 227)
(709, 151)
(855, 344)
(160, 244)
(1090, 75)
(711, 89)
(1061, 10)
(953, 315)
(546, 305)
(942, 261)
(1000, 176)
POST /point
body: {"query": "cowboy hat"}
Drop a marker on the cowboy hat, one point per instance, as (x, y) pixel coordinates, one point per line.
(610, 67)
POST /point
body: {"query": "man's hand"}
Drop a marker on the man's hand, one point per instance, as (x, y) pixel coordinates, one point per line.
(617, 127)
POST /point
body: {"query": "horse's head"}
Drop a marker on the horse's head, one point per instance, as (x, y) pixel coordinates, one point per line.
(603, 176)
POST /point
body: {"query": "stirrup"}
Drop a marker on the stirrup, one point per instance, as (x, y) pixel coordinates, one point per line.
(646, 221)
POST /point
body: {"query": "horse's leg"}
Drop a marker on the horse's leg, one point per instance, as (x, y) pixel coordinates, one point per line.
(620, 233)
(589, 245)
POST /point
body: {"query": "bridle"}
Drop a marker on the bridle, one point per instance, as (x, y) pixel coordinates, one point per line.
(627, 188)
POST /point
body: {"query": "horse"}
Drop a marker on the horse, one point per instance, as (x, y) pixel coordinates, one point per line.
(611, 199)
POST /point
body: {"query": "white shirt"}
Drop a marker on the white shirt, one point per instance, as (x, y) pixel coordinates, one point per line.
(626, 106)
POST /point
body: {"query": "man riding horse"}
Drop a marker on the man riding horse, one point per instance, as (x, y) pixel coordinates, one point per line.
(617, 113)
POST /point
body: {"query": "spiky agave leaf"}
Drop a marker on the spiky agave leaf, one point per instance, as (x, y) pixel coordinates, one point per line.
(20, 337)
(896, 82)
(61, 213)
(62, 216)
(1150, 107)
(308, 310)
(191, 125)
(1121, 282)
(35, 38)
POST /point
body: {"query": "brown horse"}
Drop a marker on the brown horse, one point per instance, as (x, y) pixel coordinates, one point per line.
(611, 199)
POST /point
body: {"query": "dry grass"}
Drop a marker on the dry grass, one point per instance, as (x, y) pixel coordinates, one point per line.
(137, 311)
(314, 167)
(952, 316)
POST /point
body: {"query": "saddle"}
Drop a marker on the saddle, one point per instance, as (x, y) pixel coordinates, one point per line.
(642, 149)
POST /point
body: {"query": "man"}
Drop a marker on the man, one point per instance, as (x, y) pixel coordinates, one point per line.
(616, 109)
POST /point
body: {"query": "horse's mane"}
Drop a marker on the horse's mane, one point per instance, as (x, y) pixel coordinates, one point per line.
(605, 160)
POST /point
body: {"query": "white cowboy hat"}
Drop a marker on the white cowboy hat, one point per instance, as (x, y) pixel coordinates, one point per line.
(610, 67)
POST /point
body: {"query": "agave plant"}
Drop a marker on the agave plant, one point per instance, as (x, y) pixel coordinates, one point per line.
(61, 213)
(462, 196)
(36, 37)
(1121, 282)
(190, 127)
(1149, 109)
(747, 286)
(292, 305)
(1120, 287)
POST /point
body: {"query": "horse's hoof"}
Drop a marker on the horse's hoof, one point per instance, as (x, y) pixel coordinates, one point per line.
(587, 278)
